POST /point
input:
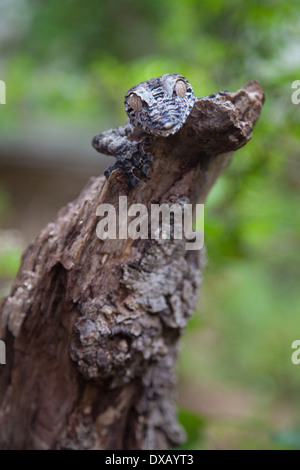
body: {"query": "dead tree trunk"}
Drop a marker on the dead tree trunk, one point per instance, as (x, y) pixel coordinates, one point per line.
(92, 327)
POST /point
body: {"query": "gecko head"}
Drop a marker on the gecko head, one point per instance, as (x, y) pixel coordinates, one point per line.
(160, 106)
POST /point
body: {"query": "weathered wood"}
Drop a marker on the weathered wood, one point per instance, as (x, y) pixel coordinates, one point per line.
(92, 327)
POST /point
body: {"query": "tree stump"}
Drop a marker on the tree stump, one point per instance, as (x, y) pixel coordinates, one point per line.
(92, 327)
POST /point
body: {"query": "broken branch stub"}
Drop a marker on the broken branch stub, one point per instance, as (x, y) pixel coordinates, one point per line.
(92, 327)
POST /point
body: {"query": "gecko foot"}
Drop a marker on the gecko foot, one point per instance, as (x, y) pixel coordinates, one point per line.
(136, 159)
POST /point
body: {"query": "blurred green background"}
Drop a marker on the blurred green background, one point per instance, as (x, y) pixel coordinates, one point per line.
(67, 65)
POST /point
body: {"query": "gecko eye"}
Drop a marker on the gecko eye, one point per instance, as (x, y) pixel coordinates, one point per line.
(180, 88)
(135, 102)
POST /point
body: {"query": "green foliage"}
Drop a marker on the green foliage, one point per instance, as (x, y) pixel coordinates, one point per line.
(10, 251)
(288, 439)
(71, 62)
(10, 262)
(194, 425)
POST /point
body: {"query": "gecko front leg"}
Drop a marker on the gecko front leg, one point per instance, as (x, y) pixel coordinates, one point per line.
(130, 154)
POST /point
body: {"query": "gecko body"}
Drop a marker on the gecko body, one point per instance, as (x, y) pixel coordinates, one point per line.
(157, 107)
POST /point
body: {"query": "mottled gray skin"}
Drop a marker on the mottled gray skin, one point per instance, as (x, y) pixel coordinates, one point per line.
(162, 113)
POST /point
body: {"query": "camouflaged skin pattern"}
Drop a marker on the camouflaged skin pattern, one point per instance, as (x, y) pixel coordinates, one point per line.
(159, 107)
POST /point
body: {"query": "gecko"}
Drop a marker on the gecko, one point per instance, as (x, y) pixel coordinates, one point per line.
(156, 107)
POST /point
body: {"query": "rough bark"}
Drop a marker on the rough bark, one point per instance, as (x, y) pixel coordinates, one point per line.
(92, 327)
